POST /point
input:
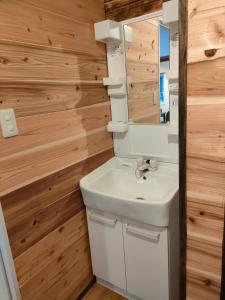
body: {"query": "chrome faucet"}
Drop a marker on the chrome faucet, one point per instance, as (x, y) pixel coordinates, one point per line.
(144, 166)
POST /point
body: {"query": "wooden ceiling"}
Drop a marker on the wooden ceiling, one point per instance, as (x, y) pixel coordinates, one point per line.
(125, 9)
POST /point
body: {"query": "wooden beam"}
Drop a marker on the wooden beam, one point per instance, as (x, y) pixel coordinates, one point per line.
(126, 9)
(182, 142)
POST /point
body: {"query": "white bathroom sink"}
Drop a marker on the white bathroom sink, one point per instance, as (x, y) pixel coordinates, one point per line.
(114, 188)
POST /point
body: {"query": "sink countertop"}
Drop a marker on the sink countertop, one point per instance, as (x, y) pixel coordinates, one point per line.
(114, 188)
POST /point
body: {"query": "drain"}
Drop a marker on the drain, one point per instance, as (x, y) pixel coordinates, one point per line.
(140, 198)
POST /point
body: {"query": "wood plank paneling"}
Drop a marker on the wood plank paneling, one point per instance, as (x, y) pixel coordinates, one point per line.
(28, 210)
(126, 9)
(88, 11)
(31, 229)
(42, 286)
(40, 161)
(199, 286)
(32, 261)
(51, 74)
(38, 64)
(42, 27)
(40, 194)
(211, 28)
(40, 98)
(208, 78)
(72, 122)
(205, 148)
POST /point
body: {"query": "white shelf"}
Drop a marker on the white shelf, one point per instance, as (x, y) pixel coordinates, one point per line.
(108, 32)
(119, 127)
(117, 86)
(111, 81)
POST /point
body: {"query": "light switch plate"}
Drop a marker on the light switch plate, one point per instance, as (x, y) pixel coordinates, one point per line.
(8, 123)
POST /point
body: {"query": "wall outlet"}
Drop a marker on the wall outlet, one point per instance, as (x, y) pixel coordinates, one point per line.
(8, 123)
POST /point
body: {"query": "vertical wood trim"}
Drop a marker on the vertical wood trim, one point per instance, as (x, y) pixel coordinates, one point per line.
(182, 141)
(222, 294)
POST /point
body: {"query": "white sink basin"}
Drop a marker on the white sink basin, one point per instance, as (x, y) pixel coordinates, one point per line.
(114, 188)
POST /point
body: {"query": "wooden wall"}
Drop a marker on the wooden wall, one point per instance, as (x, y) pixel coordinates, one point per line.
(205, 147)
(142, 61)
(51, 73)
(51, 70)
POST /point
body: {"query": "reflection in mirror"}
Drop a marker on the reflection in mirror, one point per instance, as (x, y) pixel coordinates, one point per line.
(164, 69)
(147, 63)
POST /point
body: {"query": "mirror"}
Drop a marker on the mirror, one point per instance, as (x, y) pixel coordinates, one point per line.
(147, 64)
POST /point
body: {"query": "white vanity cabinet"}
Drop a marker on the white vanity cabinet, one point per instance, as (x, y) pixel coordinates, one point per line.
(146, 260)
(130, 256)
(106, 242)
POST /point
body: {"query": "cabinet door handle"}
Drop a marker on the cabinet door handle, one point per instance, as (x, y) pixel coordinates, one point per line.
(102, 219)
(151, 235)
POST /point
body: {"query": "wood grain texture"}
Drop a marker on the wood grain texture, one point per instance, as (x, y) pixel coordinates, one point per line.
(205, 148)
(72, 122)
(30, 99)
(41, 161)
(99, 292)
(37, 257)
(142, 61)
(26, 210)
(51, 74)
(126, 9)
(40, 26)
(29, 63)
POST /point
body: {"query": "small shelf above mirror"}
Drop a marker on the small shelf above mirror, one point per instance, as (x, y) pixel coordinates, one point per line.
(108, 32)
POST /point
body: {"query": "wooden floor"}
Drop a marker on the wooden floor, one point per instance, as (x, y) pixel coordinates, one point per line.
(98, 292)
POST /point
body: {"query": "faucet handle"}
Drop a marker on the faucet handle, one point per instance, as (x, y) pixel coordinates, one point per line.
(140, 161)
(154, 164)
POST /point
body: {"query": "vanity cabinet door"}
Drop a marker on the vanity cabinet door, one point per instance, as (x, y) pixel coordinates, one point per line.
(106, 242)
(146, 259)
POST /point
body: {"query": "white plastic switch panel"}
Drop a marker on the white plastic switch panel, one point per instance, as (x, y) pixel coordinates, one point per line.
(170, 11)
(108, 31)
(8, 123)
